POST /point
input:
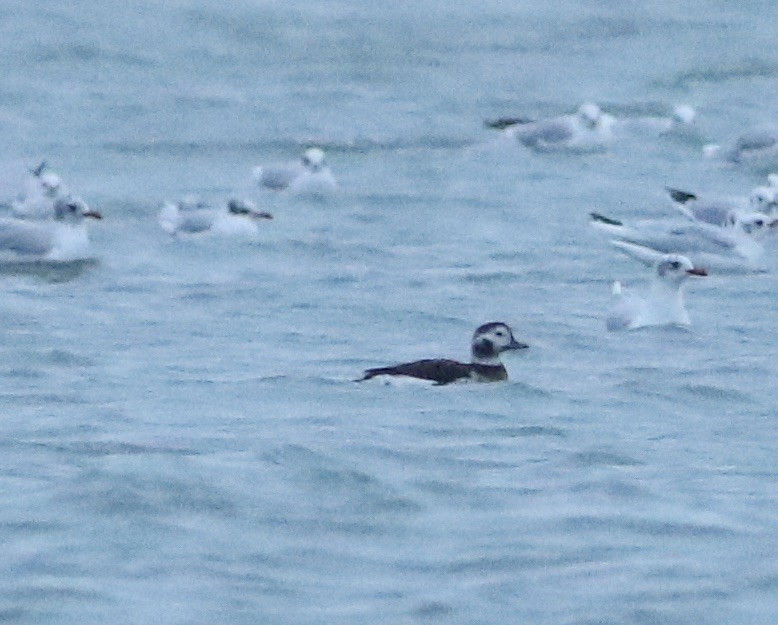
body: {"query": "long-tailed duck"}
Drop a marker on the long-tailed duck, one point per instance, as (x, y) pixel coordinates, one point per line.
(489, 341)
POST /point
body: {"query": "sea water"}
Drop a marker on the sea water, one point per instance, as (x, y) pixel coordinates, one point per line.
(183, 440)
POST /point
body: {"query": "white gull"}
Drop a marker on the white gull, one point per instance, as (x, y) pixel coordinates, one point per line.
(663, 303)
(757, 148)
(681, 118)
(191, 216)
(722, 210)
(42, 189)
(732, 249)
(587, 130)
(64, 238)
(307, 176)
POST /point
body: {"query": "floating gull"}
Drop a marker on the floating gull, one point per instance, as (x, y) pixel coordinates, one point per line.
(663, 304)
(589, 129)
(723, 211)
(63, 238)
(489, 341)
(190, 216)
(308, 176)
(732, 249)
(681, 118)
(757, 149)
(42, 189)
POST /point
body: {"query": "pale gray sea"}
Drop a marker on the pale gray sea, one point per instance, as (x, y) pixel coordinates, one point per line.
(182, 438)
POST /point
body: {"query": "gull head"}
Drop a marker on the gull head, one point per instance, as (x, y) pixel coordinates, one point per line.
(313, 158)
(763, 199)
(753, 224)
(684, 114)
(74, 210)
(589, 115)
(675, 268)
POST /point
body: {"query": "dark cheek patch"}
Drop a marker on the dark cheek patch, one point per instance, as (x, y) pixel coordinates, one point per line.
(484, 349)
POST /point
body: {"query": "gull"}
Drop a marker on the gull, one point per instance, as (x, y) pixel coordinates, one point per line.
(732, 249)
(757, 148)
(723, 211)
(489, 341)
(588, 129)
(191, 215)
(662, 305)
(63, 238)
(308, 176)
(682, 117)
(42, 189)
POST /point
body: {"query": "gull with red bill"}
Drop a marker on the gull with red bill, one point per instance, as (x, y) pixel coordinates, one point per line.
(64, 238)
(662, 305)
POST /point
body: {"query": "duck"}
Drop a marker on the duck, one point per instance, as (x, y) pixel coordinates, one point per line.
(488, 342)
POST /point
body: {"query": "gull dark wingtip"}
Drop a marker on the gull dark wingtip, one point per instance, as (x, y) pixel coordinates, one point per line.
(606, 220)
(680, 196)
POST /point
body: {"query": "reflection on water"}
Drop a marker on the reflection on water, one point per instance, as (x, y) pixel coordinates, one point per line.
(48, 270)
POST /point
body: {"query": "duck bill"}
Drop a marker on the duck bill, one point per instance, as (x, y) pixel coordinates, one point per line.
(514, 344)
(262, 215)
(697, 271)
(92, 214)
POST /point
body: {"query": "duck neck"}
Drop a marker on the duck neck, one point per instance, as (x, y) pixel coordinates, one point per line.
(483, 353)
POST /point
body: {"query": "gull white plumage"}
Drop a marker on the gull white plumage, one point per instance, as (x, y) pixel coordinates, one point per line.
(42, 189)
(663, 303)
(588, 129)
(681, 118)
(724, 211)
(308, 176)
(192, 216)
(757, 148)
(731, 249)
(64, 238)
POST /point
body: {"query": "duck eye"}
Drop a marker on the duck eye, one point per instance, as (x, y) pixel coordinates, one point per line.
(759, 222)
(675, 264)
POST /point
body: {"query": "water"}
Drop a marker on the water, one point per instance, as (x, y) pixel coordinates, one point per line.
(183, 441)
